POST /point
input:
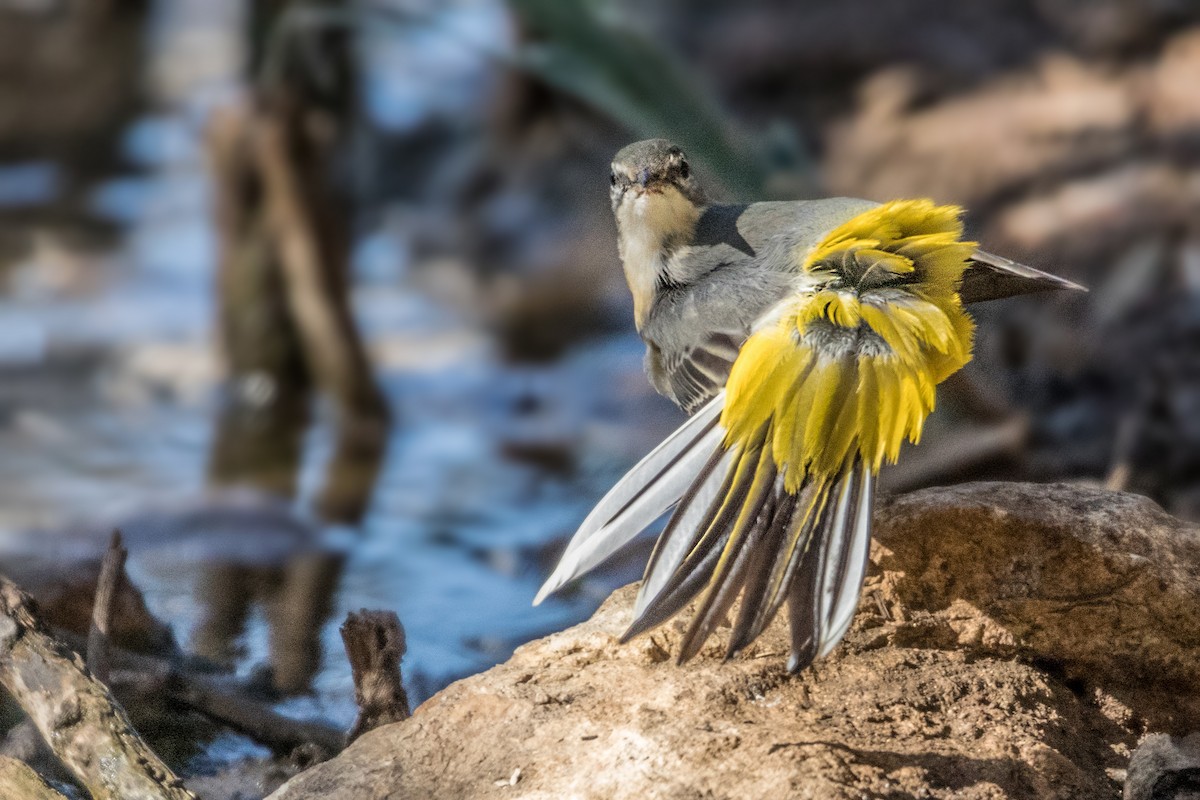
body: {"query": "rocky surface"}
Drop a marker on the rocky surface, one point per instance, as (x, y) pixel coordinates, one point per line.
(1101, 589)
(1014, 642)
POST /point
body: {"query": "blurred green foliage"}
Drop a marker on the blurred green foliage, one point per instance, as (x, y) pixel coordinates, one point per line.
(587, 49)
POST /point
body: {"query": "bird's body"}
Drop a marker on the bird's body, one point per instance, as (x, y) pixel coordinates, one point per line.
(706, 307)
(806, 338)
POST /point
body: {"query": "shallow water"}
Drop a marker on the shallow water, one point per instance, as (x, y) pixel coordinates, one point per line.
(109, 390)
(106, 419)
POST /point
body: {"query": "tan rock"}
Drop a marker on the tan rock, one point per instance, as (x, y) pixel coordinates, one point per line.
(1013, 644)
(1100, 588)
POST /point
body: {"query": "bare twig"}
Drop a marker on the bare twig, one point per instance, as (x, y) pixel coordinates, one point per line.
(17, 780)
(112, 572)
(375, 644)
(253, 718)
(76, 714)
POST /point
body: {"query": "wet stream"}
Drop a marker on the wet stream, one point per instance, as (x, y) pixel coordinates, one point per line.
(109, 390)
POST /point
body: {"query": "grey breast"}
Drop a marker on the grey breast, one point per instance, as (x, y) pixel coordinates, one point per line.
(740, 264)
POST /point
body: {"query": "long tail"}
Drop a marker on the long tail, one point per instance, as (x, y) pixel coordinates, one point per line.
(639, 498)
(737, 531)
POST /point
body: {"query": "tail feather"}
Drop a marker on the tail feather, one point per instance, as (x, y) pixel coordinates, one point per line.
(802, 617)
(844, 592)
(835, 546)
(803, 529)
(796, 517)
(765, 545)
(681, 577)
(754, 614)
(639, 498)
(823, 595)
(803, 587)
(680, 594)
(692, 518)
(747, 535)
(738, 532)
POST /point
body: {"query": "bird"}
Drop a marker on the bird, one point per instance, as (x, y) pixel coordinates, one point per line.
(805, 339)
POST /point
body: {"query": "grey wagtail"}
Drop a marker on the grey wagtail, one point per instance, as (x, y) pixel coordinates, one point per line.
(806, 340)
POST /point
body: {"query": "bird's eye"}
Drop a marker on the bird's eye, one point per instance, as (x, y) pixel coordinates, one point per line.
(612, 178)
(684, 170)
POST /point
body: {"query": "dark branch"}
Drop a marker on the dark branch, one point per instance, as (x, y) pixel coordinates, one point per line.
(112, 573)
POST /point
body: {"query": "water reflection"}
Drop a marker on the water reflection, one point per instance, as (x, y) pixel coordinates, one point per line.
(297, 598)
(257, 511)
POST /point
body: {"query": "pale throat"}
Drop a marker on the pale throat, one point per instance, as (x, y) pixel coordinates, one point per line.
(654, 229)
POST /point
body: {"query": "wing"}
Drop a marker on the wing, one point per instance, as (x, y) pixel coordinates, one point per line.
(694, 374)
(991, 277)
(695, 332)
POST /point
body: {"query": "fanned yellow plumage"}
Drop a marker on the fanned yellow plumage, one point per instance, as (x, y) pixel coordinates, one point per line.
(773, 479)
(849, 369)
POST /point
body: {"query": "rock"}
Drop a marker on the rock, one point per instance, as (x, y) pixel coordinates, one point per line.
(1013, 642)
(1101, 589)
(1165, 768)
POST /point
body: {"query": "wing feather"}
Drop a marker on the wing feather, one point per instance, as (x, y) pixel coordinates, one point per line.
(992, 277)
(706, 545)
(696, 373)
(694, 515)
(745, 536)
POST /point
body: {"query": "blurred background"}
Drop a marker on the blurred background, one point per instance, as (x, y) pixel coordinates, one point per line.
(319, 302)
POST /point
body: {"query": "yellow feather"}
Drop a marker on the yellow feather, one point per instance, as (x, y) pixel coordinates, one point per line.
(758, 486)
(868, 416)
(821, 409)
(831, 388)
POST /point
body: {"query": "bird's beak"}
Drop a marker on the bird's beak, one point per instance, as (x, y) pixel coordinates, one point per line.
(646, 184)
(991, 277)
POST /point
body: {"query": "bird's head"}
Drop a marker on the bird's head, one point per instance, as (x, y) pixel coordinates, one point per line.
(652, 183)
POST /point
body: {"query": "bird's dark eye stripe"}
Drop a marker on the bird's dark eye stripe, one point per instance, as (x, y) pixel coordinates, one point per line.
(612, 178)
(684, 169)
